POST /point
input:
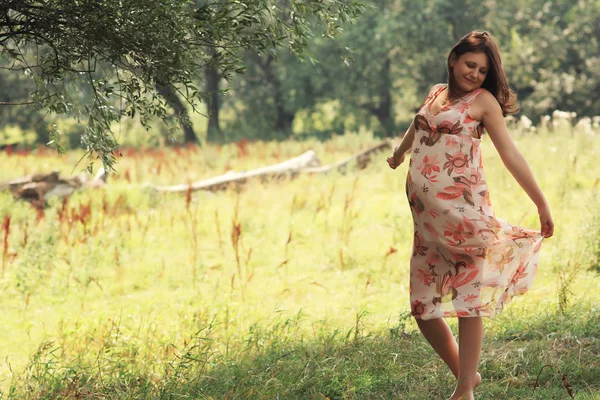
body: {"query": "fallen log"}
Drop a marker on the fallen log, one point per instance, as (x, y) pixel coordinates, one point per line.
(305, 163)
(286, 168)
(363, 159)
(38, 188)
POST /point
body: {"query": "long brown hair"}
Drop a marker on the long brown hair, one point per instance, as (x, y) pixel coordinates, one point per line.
(495, 81)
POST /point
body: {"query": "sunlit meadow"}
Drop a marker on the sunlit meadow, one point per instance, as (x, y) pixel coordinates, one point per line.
(286, 289)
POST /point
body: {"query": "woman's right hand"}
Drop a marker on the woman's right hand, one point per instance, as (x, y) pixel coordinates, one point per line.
(395, 160)
(546, 222)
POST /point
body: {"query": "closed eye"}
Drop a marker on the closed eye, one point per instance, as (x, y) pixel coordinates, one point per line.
(483, 71)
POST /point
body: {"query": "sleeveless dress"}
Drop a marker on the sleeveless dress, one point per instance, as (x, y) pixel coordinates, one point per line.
(465, 262)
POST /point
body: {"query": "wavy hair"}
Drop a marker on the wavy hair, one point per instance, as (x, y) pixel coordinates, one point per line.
(495, 81)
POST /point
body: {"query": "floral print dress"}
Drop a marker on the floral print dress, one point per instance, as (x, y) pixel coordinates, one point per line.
(465, 262)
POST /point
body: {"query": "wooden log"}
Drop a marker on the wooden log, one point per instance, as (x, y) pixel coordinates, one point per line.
(305, 163)
(286, 168)
(363, 159)
(38, 188)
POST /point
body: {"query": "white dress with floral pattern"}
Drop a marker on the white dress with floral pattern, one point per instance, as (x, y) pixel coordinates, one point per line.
(466, 262)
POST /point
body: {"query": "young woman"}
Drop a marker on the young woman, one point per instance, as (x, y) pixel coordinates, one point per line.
(466, 262)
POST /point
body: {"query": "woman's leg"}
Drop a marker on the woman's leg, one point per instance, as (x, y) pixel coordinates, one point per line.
(440, 337)
(470, 338)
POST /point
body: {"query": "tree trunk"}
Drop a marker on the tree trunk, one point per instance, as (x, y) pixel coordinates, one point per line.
(384, 111)
(212, 98)
(382, 108)
(167, 91)
(284, 120)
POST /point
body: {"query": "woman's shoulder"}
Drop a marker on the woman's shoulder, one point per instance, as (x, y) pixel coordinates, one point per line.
(483, 101)
(437, 87)
(484, 98)
(482, 92)
(434, 90)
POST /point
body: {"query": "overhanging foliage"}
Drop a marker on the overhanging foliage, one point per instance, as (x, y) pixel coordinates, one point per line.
(120, 50)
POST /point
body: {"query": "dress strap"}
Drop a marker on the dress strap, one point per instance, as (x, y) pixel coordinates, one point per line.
(434, 93)
(438, 90)
(472, 96)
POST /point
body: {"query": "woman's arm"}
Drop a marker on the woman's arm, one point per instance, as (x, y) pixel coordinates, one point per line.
(513, 159)
(399, 152)
(407, 140)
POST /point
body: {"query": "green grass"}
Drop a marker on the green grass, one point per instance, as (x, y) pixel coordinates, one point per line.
(145, 297)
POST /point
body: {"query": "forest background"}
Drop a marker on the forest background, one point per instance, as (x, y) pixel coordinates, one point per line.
(371, 78)
(290, 288)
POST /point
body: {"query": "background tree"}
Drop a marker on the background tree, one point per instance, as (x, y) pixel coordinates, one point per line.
(398, 48)
(399, 51)
(213, 100)
(123, 49)
(372, 77)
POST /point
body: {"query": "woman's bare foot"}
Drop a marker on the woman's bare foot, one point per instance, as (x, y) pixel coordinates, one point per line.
(463, 391)
(462, 396)
(466, 396)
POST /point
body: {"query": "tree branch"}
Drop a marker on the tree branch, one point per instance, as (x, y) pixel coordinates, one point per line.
(9, 103)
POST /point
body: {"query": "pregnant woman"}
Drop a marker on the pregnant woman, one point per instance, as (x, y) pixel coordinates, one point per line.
(466, 262)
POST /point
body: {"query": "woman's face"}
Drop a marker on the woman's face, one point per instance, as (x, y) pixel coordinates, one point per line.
(469, 70)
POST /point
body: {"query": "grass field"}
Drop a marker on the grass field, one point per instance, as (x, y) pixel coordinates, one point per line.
(290, 289)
